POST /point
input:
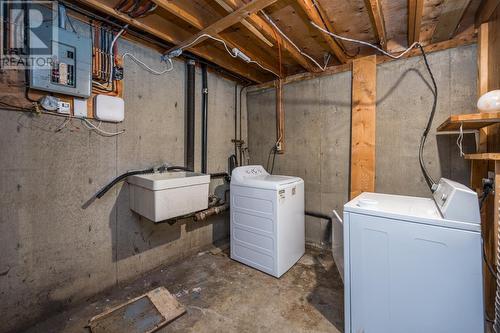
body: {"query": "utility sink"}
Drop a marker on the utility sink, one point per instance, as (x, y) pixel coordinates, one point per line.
(162, 196)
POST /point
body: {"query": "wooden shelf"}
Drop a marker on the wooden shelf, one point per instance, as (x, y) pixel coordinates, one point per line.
(484, 156)
(472, 121)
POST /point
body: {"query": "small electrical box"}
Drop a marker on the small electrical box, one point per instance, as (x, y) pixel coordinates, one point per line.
(109, 108)
(69, 72)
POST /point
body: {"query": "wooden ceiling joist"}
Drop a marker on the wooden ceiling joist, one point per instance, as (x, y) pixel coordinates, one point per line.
(171, 33)
(450, 17)
(247, 24)
(199, 23)
(268, 31)
(377, 18)
(225, 22)
(312, 13)
(485, 10)
(415, 10)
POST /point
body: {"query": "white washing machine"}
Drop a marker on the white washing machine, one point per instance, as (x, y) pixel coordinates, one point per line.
(267, 219)
(414, 264)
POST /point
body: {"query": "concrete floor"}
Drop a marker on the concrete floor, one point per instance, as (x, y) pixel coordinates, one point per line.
(222, 295)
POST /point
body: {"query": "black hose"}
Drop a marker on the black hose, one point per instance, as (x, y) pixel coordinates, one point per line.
(429, 180)
(120, 178)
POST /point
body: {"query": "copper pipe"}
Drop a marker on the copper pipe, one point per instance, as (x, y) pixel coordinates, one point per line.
(280, 118)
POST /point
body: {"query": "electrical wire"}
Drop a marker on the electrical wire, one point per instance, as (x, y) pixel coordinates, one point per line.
(293, 44)
(146, 67)
(428, 178)
(99, 131)
(460, 140)
(231, 53)
(412, 46)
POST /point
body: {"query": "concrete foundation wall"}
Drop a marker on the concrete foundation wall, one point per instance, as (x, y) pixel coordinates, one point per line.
(317, 130)
(55, 252)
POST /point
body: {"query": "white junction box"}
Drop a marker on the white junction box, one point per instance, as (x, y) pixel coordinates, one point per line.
(109, 108)
(267, 219)
(162, 196)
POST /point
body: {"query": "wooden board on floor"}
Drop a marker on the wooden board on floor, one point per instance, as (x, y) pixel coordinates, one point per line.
(364, 82)
(144, 314)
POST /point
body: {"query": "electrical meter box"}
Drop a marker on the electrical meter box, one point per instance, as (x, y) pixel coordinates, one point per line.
(69, 71)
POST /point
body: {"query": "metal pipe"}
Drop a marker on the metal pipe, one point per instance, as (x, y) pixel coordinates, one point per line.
(204, 118)
(235, 120)
(190, 114)
(204, 214)
(61, 16)
(280, 118)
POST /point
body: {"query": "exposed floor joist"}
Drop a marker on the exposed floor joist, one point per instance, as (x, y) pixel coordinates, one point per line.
(313, 14)
(199, 22)
(377, 18)
(269, 33)
(171, 33)
(485, 10)
(451, 16)
(225, 22)
(415, 10)
(247, 24)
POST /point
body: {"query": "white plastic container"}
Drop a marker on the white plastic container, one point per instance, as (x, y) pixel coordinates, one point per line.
(162, 196)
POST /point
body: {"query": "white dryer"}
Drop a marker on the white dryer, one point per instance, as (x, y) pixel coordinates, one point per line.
(267, 219)
(414, 264)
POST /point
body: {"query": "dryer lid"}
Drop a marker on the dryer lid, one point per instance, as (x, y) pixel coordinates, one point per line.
(257, 177)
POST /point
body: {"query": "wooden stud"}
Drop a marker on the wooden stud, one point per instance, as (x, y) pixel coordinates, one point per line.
(377, 18)
(415, 9)
(313, 15)
(199, 23)
(485, 11)
(247, 24)
(225, 22)
(171, 33)
(451, 15)
(364, 81)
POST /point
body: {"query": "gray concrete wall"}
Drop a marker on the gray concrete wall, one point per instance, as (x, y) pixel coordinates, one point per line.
(53, 251)
(317, 127)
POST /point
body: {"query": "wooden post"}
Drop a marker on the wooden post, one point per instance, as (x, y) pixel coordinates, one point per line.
(364, 83)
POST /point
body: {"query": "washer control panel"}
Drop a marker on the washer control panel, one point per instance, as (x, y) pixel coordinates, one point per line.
(457, 202)
(247, 171)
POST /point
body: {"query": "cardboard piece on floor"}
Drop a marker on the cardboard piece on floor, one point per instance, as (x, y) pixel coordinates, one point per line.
(143, 314)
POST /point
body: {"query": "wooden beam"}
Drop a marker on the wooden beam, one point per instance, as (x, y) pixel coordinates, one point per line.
(246, 24)
(313, 15)
(171, 33)
(199, 23)
(268, 31)
(364, 86)
(225, 22)
(451, 15)
(485, 11)
(415, 9)
(377, 18)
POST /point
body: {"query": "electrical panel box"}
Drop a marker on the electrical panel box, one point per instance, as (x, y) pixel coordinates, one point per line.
(69, 72)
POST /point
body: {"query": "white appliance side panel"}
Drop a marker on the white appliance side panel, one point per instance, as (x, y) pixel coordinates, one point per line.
(253, 228)
(412, 278)
(291, 226)
(346, 273)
